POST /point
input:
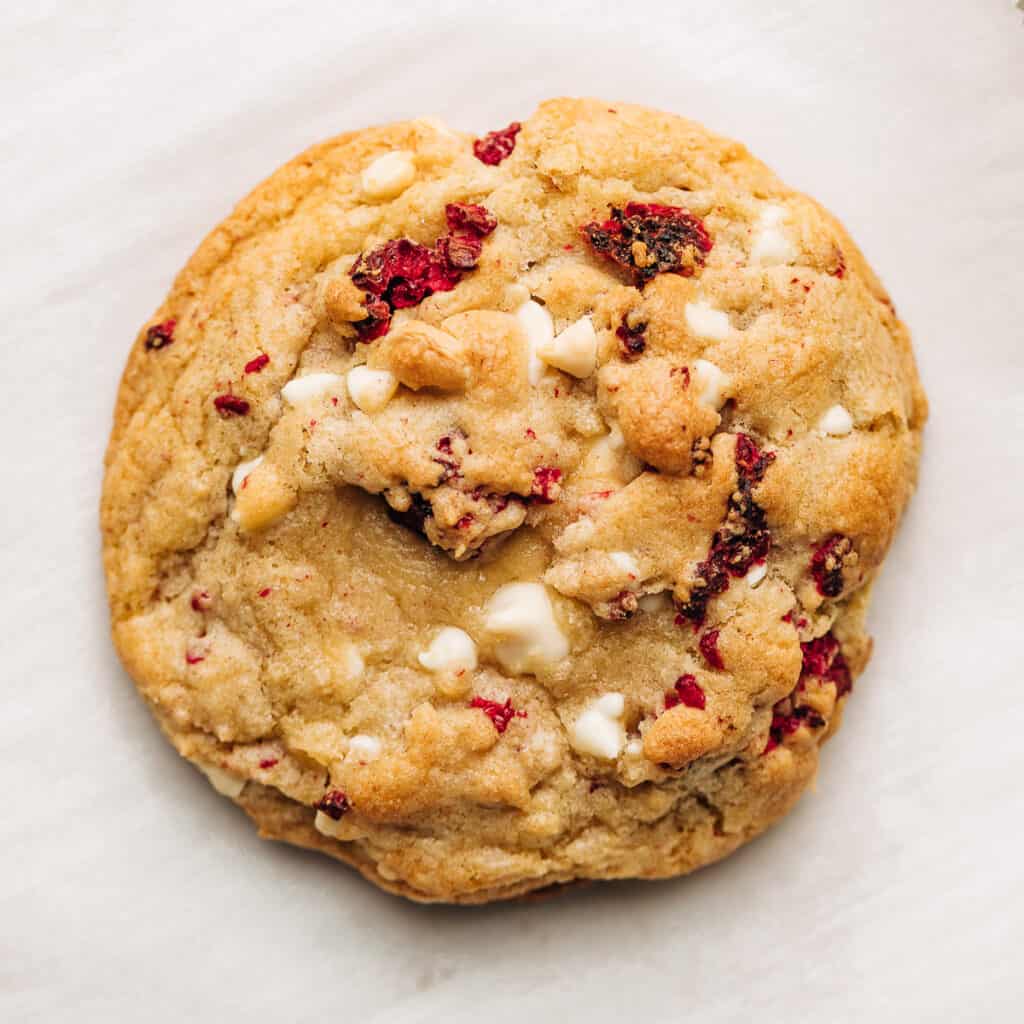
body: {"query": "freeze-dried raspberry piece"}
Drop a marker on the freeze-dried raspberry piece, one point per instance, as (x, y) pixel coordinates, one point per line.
(632, 341)
(499, 714)
(819, 655)
(496, 146)
(256, 364)
(828, 561)
(160, 335)
(686, 691)
(709, 648)
(231, 405)
(741, 541)
(547, 484)
(402, 273)
(334, 804)
(469, 218)
(649, 239)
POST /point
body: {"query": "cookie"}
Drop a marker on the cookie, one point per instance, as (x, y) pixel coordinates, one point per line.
(493, 513)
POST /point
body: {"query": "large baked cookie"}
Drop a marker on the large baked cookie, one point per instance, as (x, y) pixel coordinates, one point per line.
(493, 513)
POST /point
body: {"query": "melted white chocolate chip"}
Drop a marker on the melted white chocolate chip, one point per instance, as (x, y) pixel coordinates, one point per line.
(836, 422)
(772, 245)
(707, 322)
(389, 175)
(574, 350)
(242, 471)
(599, 730)
(370, 389)
(711, 382)
(539, 329)
(451, 650)
(521, 616)
(222, 781)
(312, 385)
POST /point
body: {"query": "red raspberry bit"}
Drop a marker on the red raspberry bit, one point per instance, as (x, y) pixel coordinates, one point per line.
(496, 146)
(531, 434)
(547, 484)
(709, 648)
(465, 522)
(231, 405)
(682, 372)
(257, 364)
(268, 762)
(194, 657)
(742, 541)
(469, 218)
(160, 335)
(827, 564)
(686, 691)
(334, 804)
(648, 239)
(402, 273)
(824, 658)
(201, 601)
(499, 714)
(265, 591)
(632, 340)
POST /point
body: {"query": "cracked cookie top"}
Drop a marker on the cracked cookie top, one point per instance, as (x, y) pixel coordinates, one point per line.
(495, 512)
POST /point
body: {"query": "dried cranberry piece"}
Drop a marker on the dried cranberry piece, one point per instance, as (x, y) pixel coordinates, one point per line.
(632, 340)
(496, 146)
(686, 691)
(547, 482)
(257, 364)
(160, 335)
(334, 804)
(827, 564)
(500, 714)
(650, 239)
(268, 762)
(469, 218)
(709, 648)
(231, 405)
(200, 601)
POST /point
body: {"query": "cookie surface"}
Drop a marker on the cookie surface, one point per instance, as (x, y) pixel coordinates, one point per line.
(491, 514)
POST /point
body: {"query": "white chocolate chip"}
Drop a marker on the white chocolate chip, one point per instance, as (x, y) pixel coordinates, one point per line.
(389, 175)
(707, 322)
(635, 748)
(521, 615)
(651, 603)
(363, 749)
(222, 781)
(242, 470)
(351, 662)
(539, 329)
(616, 439)
(624, 561)
(452, 650)
(370, 389)
(599, 730)
(712, 382)
(574, 350)
(326, 825)
(837, 422)
(313, 385)
(771, 245)
(757, 573)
